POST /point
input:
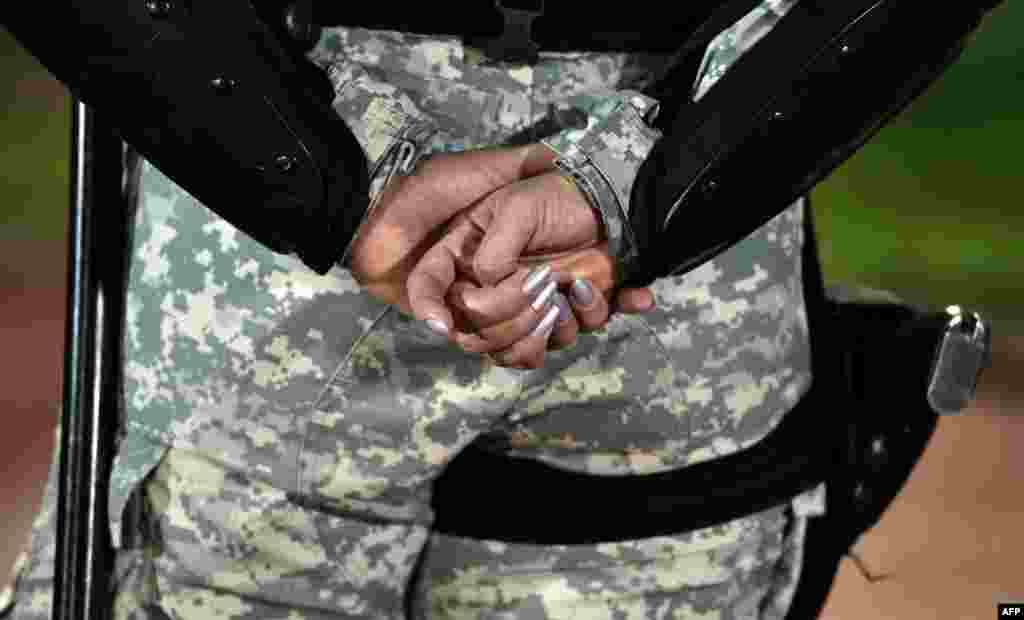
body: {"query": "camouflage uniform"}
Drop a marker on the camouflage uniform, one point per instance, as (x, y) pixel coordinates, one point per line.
(282, 428)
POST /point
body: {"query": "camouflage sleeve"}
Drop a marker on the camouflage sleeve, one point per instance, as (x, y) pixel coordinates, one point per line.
(603, 159)
(389, 127)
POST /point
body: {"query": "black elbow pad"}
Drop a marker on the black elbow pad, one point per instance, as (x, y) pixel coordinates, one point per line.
(789, 111)
(214, 97)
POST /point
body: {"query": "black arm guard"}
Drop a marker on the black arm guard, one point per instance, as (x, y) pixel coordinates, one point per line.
(211, 95)
(781, 119)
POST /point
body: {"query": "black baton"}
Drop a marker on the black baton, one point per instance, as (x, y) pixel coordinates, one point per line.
(98, 253)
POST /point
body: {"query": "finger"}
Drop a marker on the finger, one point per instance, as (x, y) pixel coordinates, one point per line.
(592, 264)
(510, 218)
(589, 305)
(566, 328)
(489, 305)
(504, 334)
(528, 353)
(542, 215)
(433, 276)
(634, 300)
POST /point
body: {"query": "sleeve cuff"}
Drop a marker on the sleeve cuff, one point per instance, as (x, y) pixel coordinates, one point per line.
(603, 159)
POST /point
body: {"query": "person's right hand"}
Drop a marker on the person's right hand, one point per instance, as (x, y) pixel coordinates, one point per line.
(413, 211)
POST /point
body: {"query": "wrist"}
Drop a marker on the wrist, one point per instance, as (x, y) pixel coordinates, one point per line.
(594, 191)
(602, 160)
(400, 159)
(393, 133)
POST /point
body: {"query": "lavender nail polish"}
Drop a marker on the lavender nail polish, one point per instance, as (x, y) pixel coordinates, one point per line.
(536, 278)
(546, 324)
(563, 308)
(582, 292)
(544, 296)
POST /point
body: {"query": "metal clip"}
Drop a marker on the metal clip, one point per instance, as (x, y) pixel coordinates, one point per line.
(965, 350)
(407, 158)
(515, 43)
(399, 160)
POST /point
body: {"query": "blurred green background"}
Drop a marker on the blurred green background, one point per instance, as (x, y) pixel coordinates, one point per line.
(929, 209)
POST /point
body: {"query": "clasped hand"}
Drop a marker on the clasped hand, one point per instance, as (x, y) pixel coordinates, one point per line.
(494, 249)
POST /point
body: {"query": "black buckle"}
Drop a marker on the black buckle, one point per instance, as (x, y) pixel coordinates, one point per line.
(515, 43)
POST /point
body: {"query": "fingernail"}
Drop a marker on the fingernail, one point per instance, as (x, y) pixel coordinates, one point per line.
(563, 307)
(582, 293)
(546, 324)
(544, 296)
(438, 326)
(536, 278)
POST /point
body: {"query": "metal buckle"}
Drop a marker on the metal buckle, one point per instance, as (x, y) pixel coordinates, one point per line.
(965, 350)
(515, 43)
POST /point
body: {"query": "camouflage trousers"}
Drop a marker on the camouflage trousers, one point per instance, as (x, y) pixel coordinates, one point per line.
(283, 429)
(744, 569)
